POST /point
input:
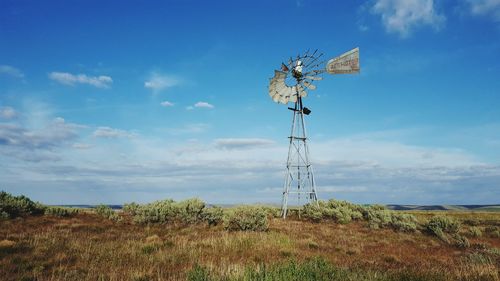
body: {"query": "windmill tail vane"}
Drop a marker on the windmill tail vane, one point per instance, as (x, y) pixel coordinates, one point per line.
(289, 84)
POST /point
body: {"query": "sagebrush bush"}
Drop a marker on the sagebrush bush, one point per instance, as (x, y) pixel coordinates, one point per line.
(445, 228)
(161, 211)
(474, 231)
(165, 211)
(190, 210)
(404, 222)
(339, 211)
(60, 211)
(213, 215)
(446, 224)
(106, 212)
(130, 208)
(246, 218)
(14, 206)
(461, 241)
(344, 212)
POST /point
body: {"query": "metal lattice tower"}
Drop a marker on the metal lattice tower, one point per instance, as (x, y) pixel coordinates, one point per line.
(289, 85)
(299, 175)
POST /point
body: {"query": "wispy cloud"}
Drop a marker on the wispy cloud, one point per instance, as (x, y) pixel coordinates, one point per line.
(242, 143)
(166, 104)
(490, 8)
(7, 112)
(403, 16)
(202, 104)
(11, 71)
(193, 128)
(66, 78)
(110, 133)
(52, 135)
(158, 81)
(81, 145)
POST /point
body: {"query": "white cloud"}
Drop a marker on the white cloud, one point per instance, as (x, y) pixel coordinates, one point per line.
(489, 8)
(107, 132)
(202, 104)
(11, 71)
(81, 146)
(158, 82)
(71, 79)
(189, 107)
(51, 135)
(7, 112)
(193, 128)
(166, 104)
(403, 16)
(242, 143)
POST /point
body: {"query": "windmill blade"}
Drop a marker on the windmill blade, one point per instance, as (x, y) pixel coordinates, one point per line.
(293, 98)
(276, 97)
(315, 72)
(290, 63)
(284, 99)
(310, 57)
(309, 85)
(315, 59)
(313, 78)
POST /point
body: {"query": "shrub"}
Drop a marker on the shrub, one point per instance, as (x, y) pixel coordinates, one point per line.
(272, 211)
(404, 222)
(164, 211)
(213, 215)
(106, 212)
(377, 218)
(475, 232)
(446, 224)
(246, 218)
(130, 208)
(312, 212)
(461, 241)
(161, 211)
(14, 206)
(60, 211)
(190, 211)
(340, 211)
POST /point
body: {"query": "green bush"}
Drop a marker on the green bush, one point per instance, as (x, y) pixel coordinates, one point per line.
(161, 211)
(403, 222)
(14, 206)
(443, 223)
(130, 208)
(190, 211)
(339, 211)
(344, 212)
(313, 212)
(246, 218)
(60, 211)
(106, 212)
(461, 241)
(444, 227)
(165, 211)
(475, 232)
(213, 215)
(377, 218)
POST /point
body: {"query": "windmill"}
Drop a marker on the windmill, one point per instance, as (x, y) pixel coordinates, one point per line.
(290, 85)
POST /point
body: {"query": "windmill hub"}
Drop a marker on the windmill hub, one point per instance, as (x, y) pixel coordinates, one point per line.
(306, 69)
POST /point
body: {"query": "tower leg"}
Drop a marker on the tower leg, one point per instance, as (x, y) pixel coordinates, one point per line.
(299, 176)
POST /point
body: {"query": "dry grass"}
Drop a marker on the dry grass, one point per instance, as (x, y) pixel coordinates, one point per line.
(88, 247)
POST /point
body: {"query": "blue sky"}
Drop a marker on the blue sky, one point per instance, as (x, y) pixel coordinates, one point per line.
(119, 101)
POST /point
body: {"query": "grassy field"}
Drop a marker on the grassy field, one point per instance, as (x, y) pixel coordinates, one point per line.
(86, 246)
